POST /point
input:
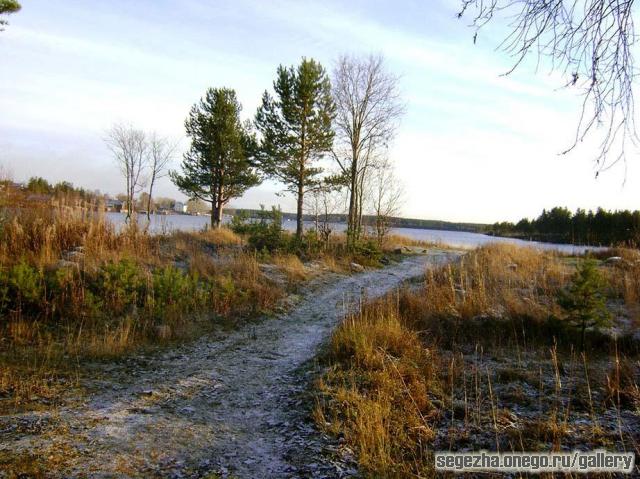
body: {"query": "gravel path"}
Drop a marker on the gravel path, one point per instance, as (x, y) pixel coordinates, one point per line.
(231, 405)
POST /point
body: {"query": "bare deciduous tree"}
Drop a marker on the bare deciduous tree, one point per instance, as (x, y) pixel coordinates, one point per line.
(325, 201)
(368, 109)
(161, 152)
(591, 43)
(386, 199)
(130, 150)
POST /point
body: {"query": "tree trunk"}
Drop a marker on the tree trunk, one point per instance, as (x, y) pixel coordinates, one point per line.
(128, 196)
(351, 220)
(219, 215)
(132, 206)
(220, 199)
(153, 179)
(299, 211)
(359, 207)
(216, 214)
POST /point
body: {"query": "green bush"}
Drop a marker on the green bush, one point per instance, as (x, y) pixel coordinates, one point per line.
(584, 301)
(122, 285)
(65, 290)
(310, 244)
(21, 288)
(367, 252)
(241, 223)
(175, 290)
(263, 233)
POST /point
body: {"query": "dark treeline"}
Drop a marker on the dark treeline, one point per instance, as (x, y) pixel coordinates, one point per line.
(39, 189)
(559, 225)
(40, 186)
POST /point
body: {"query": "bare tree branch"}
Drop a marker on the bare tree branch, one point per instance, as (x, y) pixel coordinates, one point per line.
(129, 148)
(161, 153)
(368, 110)
(386, 199)
(590, 42)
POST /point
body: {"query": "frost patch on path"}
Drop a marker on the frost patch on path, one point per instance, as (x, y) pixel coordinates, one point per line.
(228, 405)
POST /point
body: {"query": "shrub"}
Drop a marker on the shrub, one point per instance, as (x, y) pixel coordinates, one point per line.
(368, 252)
(21, 288)
(174, 289)
(66, 291)
(311, 243)
(122, 284)
(263, 234)
(584, 301)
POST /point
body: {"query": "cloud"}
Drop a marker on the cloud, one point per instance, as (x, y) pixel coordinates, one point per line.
(474, 145)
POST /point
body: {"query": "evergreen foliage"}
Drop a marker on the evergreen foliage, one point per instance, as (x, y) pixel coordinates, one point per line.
(584, 300)
(559, 225)
(296, 128)
(219, 164)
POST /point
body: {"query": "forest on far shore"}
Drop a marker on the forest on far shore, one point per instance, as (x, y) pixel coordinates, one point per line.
(560, 225)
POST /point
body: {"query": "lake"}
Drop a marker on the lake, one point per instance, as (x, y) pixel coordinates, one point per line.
(461, 239)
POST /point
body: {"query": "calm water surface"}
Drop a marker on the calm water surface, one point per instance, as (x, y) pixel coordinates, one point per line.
(168, 223)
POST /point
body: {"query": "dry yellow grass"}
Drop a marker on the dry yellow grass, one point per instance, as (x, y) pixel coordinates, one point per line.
(392, 241)
(452, 363)
(292, 268)
(493, 281)
(71, 285)
(379, 392)
(625, 277)
(221, 237)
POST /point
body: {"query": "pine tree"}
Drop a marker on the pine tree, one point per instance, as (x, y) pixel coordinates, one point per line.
(584, 301)
(219, 165)
(296, 128)
(7, 7)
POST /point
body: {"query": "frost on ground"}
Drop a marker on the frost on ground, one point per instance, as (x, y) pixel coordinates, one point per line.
(227, 405)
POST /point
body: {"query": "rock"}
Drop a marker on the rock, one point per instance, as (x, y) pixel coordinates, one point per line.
(64, 264)
(613, 260)
(356, 268)
(75, 256)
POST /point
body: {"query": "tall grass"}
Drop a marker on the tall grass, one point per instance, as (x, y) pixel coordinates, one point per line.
(381, 391)
(73, 286)
(478, 356)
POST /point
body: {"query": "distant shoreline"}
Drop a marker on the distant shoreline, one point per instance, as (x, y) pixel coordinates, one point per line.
(546, 238)
(396, 222)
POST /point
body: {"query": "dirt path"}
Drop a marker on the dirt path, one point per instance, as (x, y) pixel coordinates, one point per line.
(231, 405)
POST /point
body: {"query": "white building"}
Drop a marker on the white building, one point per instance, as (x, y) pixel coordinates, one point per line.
(180, 207)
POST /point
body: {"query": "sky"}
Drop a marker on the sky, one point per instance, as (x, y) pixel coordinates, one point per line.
(473, 146)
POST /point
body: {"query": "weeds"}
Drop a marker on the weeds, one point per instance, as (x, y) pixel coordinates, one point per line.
(479, 356)
(73, 286)
(381, 390)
